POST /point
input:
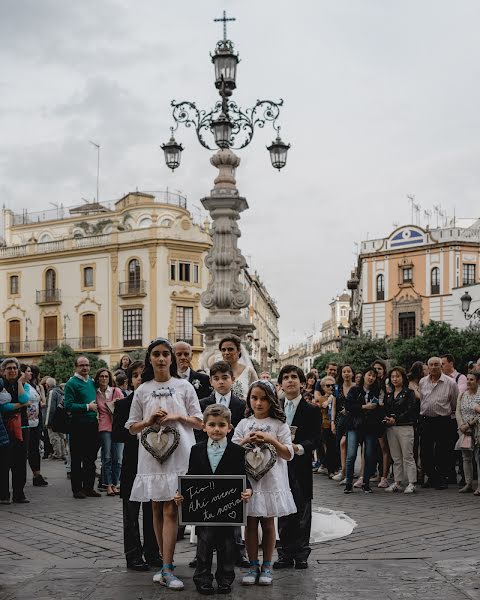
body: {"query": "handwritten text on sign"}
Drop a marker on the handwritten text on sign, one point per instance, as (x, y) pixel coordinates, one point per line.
(212, 500)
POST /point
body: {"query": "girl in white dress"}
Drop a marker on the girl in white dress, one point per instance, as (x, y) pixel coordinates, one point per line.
(265, 423)
(163, 399)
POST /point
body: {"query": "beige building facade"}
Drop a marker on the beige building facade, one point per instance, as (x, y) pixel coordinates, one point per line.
(413, 276)
(101, 278)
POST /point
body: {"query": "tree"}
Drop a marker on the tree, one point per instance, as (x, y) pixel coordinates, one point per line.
(321, 362)
(362, 351)
(60, 363)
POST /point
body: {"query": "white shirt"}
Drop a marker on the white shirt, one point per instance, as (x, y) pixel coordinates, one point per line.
(227, 397)
(185, 374)
(296, 401)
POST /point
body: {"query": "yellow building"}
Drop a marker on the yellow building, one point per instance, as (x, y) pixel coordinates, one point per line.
(413, 276)
(103, 278)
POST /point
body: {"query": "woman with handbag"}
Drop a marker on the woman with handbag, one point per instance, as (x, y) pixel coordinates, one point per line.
(467, 420)
(112, 452)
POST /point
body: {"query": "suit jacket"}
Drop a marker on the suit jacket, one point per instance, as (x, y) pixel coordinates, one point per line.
(237, 408)
(308, 420)
(231, 463)
(204, 388)
(130, 449)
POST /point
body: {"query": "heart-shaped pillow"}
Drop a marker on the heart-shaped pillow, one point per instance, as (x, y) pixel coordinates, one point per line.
(259, 459)
(160, 442)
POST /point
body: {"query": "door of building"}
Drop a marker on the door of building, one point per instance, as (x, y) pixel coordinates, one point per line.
(50, 335)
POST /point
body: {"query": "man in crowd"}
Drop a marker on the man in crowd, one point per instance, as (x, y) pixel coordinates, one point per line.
(80, 400)
(448, 368)
(200, 381)
(438, 401)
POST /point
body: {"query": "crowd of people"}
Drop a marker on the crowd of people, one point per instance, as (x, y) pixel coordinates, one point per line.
(423, 426)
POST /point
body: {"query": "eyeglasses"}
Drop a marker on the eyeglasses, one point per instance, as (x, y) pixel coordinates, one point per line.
(328, 384)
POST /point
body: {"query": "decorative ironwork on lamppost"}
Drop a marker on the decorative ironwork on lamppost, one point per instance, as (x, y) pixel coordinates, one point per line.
(224, 128)
(466, 301)
(228, 125)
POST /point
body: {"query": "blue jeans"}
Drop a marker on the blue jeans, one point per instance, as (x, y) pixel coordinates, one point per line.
(111, 458)
(354, 438)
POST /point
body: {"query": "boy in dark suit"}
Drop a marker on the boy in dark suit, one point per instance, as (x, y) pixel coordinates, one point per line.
(217, 455)
(294, 530)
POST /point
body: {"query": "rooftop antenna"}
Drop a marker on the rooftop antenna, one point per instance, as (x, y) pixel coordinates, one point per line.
(97, 146)
(427, 214)
(436, 210)
(411, 199)
(395, 224)
(417, 208)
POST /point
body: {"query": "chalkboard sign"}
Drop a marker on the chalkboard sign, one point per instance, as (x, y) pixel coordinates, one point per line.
(212, 500)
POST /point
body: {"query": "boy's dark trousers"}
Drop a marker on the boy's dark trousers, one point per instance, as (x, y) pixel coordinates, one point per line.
(294, 530)
(222, 540)
(131, 532)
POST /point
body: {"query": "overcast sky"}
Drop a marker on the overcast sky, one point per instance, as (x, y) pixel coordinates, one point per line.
(381, 100)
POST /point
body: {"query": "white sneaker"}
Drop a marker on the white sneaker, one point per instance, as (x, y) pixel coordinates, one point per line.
(169, 580)
(251, 576)
(394, 488)
(383, 483)
(321, 471)
(343, 482)
(410, 489)
(358, 483)
(338, 476)
(266, 577)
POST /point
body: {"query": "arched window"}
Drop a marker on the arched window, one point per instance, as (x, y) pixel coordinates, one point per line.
(380, 287)
(88, 331)
(134, 275)
(435, 281)
(166, 222)
(50, 280)
(45, 237)
(145, 223)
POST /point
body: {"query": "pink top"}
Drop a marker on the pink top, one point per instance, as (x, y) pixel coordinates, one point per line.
(104, 413)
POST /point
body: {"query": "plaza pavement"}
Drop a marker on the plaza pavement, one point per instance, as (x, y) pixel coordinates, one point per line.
(422, 546)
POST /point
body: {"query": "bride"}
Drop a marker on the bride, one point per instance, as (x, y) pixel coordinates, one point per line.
(230, 347)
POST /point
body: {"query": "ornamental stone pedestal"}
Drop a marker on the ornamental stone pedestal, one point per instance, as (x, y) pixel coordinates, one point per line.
(225, 296)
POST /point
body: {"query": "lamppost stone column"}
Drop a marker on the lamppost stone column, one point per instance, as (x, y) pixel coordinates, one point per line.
(225, 295)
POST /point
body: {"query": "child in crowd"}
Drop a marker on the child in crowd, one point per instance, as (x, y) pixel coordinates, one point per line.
(265, 424)
(216, 456)
(294, 529)
(163, 399)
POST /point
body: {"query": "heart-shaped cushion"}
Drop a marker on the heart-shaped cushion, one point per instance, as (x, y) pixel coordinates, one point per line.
(259, 459)
(161, 442)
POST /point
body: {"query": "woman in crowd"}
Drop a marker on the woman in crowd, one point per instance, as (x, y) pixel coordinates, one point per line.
(33, 431)
(363, 424)
(107, 395)
(384, 460)
(401, 416)
(13, 397)
(311, 381)
(467, 420)
(124, 363)
(345, 382)
(230, 347)
(330, 461)
(163, 399)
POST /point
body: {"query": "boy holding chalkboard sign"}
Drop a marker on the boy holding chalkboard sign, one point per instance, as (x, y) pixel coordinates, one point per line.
(216, 456)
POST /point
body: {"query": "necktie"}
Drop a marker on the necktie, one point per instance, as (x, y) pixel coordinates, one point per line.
(289, 411)
(223, 400)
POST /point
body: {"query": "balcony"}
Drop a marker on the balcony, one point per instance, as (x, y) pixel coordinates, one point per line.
(194, 339)
(50, 296)
(29, 347)
(130, 289)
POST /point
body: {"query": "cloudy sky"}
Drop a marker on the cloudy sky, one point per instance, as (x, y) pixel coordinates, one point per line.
(381, 100)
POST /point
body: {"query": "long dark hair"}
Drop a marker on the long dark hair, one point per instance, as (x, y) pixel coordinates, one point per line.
(340, 381)
(416, 371)
(96, 379)
(148, 374)
(137, 364)
(375, 389)
(275, 410)
(403, 375)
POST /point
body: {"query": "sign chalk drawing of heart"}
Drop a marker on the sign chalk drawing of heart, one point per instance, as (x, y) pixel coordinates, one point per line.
(160, 442)
(232, 515)
(259, 459)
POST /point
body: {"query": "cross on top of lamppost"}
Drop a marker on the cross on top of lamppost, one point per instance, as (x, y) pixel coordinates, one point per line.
(225, 19)
(229, 125)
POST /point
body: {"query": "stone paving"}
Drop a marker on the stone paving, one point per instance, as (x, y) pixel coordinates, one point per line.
(421, 546)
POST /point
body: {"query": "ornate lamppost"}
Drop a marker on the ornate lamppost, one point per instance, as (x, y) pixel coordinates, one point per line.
(466, 301)
(225, 127)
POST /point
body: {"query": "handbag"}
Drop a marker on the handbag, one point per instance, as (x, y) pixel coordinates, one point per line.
(62, 419)
(464, 442)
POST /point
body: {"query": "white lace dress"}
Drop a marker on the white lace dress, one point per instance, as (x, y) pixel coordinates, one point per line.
(271, 495)
(154, 480)
(242, 384)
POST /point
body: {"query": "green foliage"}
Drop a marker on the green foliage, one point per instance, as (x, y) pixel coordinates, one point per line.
(60, 363)
(137, 354)
(434, 339)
